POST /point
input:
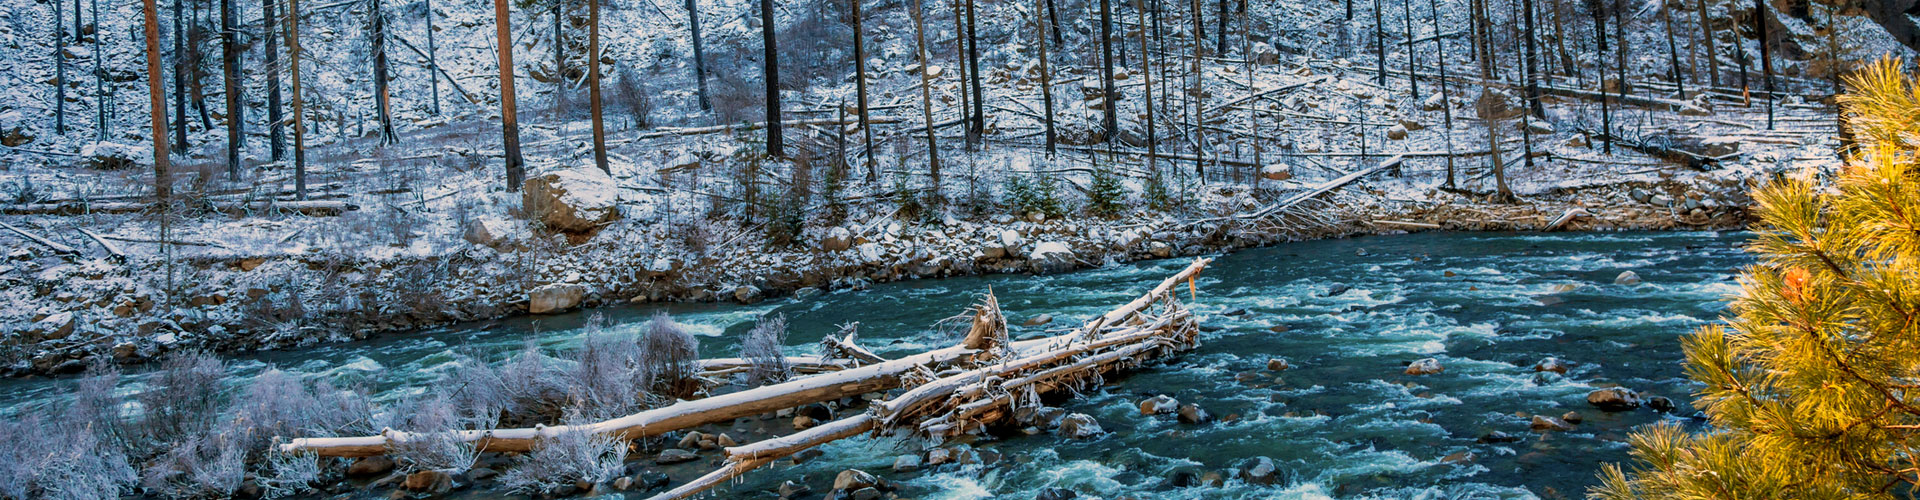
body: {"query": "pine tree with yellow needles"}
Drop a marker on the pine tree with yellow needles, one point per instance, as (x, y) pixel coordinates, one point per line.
(1813, 389)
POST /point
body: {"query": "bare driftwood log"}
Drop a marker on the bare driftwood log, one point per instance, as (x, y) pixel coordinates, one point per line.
(1005, 375)
(991, 370)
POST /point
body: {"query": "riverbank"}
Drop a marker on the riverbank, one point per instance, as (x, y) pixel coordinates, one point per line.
(70, 311)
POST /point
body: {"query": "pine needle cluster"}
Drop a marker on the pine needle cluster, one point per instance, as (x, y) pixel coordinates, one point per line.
(1813, 387)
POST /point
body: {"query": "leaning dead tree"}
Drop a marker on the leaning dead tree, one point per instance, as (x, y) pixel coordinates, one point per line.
(938, 394)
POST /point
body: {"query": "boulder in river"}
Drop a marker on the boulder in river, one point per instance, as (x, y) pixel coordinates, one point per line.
(906, 463)
(555, 297)
(1259, 470)
(1572, 417)
(1159, 405)
(370, 466)
(1338, 289)
(853, 479)
(1426, 366)
(1551, 364)
(1278, 365)
(1614, 399)
(1056, 494)
(1042, 319)
(1498, 437)
(1660, 404)
(674, 456)
(575, 201)
(1080, 426)
(1546, 423)
(1193, 414)
(429, 481)
(1628, 278)
(1051, 257)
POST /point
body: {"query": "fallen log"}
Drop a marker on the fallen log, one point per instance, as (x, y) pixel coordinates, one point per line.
(971, 355)
(56, 247)
(951, 405)
(307, 207)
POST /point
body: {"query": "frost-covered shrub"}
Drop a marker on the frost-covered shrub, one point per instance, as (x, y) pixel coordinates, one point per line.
(210, 463)
(567, 458)
(183, 398)
(671, 356)
(289, 474)
(630, 93)
(521, 390)
(432, 443)
(606, 378)
(61, 458)
(278, 404)
(761, 347)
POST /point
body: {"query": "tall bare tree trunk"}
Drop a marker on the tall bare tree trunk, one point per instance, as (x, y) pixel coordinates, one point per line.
(179, 76)
(1379, 44)
(1446, 101)
(1413, 58)
(1109, 120)
(509, 117)
(433, 60)
(1766, 55)
(1706, 37)
(102, 105)
(60, 69)
(382, 100)
(559, 63)
(1046, 88)
(978, 127)
(1599, 11)
(230, 68)
(1199, 98)
(860, 85)
(593, 87)
(699, 54)
(1146, 72)
(926, 90)
(162, 183)
(1673, 49)
(270, 53)
(299, 126)
(776, 141)
(960, 60)
(1053, 16)
(1532, 68)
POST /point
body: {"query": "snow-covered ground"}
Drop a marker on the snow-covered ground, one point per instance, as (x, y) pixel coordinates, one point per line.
(405, 257)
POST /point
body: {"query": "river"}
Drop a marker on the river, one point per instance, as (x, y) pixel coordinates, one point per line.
(1342, 422)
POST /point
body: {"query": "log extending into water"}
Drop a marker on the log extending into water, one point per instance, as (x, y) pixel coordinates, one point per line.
(798, 392)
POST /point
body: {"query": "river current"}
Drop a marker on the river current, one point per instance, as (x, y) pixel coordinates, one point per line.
(1342, 422)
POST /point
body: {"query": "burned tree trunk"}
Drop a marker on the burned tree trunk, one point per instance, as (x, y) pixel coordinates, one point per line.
(1446, 101)
(179, 76)
(102, 104)
(1413, 60)
(776, 142)
(1766, 55)
(230, 68)
(1146, 73)
(978, 127)
(270, 53)
(1673, 50)
(1706, 37)
(1046, 89)
(1532, 68)
(1379, 44)
(433, 61)
(162, 185)
(860, 86)
(1109, 116)
(1053, 16)
(60, 70)
(593, 87)
(509, 118)
(1599, 10)
(699, 54)
(299, 126)
(926, 91)
(384, 109)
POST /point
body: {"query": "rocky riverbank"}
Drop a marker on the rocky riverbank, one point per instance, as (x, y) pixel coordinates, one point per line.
(68, 310)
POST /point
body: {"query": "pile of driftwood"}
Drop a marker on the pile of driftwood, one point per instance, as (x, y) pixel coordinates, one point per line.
(938, 394)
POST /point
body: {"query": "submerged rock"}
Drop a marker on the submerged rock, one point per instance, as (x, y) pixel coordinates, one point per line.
(1278, 364)
(429, 481)
(1572, 417)
(854, 479)
(1614, 399)
(1627, 278)
(674, 456)
(906, 463)
(1056, 494)
(370, 466)
(1193, 414)
(1259, 470)
(1551, 364)
(1546, 423)
(1498, 437)
(1660, 404)
(1338, 289)
(1038, 320)
(1427, 366)
(1080, 426)
(791, 489)
(1159, 405)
